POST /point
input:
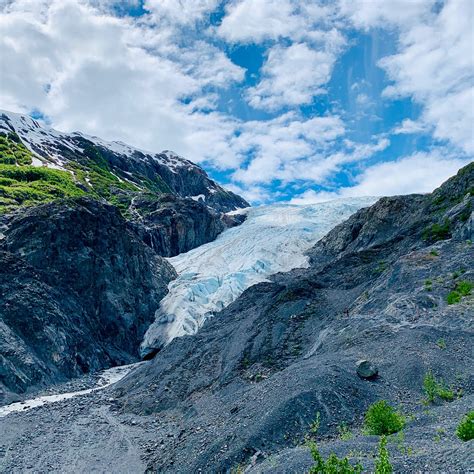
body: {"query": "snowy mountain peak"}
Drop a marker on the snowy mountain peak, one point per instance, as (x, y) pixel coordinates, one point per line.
(114, 170)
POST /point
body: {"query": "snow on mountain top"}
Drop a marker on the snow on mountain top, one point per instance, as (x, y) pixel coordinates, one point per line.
(44, 140)
(272, 239)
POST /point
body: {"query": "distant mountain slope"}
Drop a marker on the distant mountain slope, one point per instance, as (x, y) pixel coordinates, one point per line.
(111, 170)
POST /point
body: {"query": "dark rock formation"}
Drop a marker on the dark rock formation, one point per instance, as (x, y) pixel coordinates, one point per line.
(78, 290)
(171, 225)
(253, 379)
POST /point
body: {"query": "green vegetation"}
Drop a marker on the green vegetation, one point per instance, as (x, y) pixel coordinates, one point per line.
(465, 429)
(332, 465)
(441, 343)
(27, 185)
(462, 288)
(436, 388)
(428, 285)
(344, 432)
(382, 419)
(434, 253)
(437, 232)
(316, 423)
(382, 463)
(13, 152)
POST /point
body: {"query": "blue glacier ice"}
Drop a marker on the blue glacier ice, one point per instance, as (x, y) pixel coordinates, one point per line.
(272, 239)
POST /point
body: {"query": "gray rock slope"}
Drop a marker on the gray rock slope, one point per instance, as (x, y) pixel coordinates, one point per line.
(249, 384)
(78, 290)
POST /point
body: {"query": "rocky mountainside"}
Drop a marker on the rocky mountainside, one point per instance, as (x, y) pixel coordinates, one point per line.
(39, 164)
(78, 291)
(391, 285)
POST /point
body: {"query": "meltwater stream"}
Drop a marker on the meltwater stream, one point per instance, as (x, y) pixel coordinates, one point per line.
(272, 239)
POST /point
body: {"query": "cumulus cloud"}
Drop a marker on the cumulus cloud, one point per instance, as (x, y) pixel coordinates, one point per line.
(418, 173)
(94, 72)
(258, 20)
(435, 66)
(291, 76)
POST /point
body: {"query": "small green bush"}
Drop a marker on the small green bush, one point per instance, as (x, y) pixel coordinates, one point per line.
(382, 419)
(382, 463)
(344, 432)
(332, 465)
(438, 232)
(434, 387)
(465, 429)
(462, 288)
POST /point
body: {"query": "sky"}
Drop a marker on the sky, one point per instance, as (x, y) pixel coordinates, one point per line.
(279, 100)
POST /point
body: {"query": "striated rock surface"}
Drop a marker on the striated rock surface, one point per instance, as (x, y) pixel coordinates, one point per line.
(78, 290)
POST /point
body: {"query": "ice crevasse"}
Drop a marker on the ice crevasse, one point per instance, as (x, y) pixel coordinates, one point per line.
(272, 239)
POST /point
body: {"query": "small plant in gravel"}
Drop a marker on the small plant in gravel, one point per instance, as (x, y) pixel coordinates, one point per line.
(428, 285)
(465, 429)
(434, 253)
(316, 423)
(382, 419)
(382, 463)
(462, 288)
(434, 387)
(331, 465)
(345, 434)
(441, 343)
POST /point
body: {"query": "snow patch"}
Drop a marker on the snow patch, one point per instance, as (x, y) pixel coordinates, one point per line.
(107, 378)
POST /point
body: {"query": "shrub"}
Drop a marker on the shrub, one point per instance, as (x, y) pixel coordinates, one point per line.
(462, 288)
(344, 432)
(382, 463)
(382, 419)
(438, 232)
(332, 465)
(434, 387)
(465, 429)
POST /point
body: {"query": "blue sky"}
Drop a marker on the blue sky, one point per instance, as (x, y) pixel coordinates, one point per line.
(277, 99)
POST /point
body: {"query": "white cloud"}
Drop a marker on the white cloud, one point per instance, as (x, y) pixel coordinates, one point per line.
(418, 173)
(367, 14)
(258, 20)
(435, 66)
(409, 126)
(291, 76)
(277, 145)
(183, 12)
(116, 78)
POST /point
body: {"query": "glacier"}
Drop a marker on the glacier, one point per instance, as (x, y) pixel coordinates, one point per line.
(272, 239)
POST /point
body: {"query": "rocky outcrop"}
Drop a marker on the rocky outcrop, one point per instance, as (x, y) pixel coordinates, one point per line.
(171, 225)
(249, 384)
(78, 290)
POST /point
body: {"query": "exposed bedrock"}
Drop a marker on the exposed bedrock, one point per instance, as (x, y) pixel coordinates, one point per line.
(78, 290)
